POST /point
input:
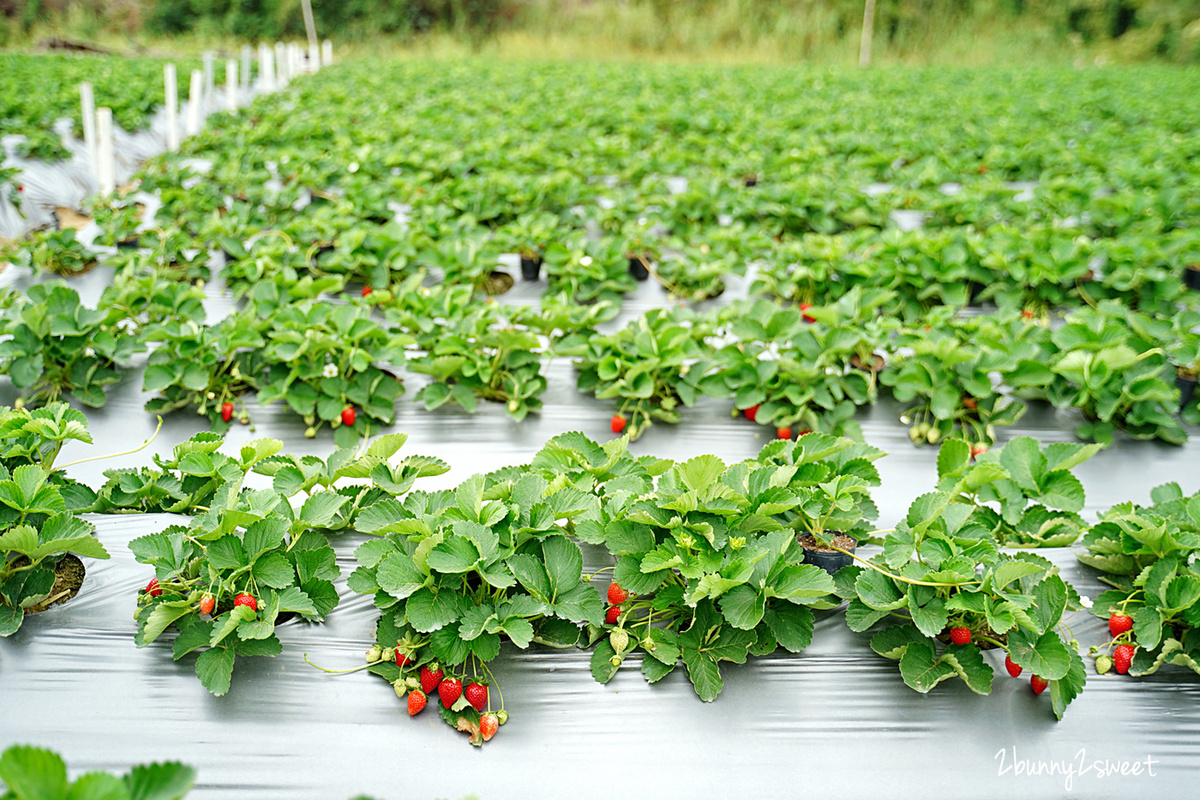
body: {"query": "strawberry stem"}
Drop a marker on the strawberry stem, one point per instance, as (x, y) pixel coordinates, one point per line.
(343, 671)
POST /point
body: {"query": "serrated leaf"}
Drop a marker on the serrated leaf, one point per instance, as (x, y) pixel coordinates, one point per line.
(33, 773)
(791, 625)
(214, 668)
(1045, 655)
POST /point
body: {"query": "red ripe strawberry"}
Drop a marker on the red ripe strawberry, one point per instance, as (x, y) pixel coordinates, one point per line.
(488, 725)
(152, 588)
(617, 595)
(983, 169)
(978, 449)
(806, 307)
(477, 695)
(402, 659)
(1038, 684)
(783, 433)
(1027, 314)
(751, 413)
(1013, 667)
(366, 291)
(431, 676)
(970, 403)
(348, 416)
(416, 702)
(247, 600)
(960, 635)
(618, 423)
(227, 411)
(450, 689)
(611, 615)
(207, 604)
(1122, 658)
(1119, 624)
(804, 432)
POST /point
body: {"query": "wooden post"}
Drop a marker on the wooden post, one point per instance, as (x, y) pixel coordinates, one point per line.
(868, 33)
(87, 103)
(171, 85)
(231, 84)
(105, 169)
(195, 100)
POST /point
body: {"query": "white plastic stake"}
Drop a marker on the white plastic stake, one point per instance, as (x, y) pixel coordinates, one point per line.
(247, 66)
(266, 68)
(87, 103)
(231, 84)
(281, 66)
(326, 53)
(314, 58)
(194, 102)
(171, 85)
(105, 168)
(210, 80)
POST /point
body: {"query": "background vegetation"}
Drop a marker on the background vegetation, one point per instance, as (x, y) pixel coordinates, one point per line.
(907, 31)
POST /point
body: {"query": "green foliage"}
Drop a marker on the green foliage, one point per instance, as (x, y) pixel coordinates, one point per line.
(250, 541)
(38, 522)
(58, 346)
(940, 568)
(33, 773)
(1146, 555)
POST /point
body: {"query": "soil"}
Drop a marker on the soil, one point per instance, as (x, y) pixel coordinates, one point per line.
(876, 367)
(68, 577)
(809, 542)
(498, 283)
(70, 218)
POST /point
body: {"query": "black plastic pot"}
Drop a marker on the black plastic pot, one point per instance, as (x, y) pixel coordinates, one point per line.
(1191, 278)
(128, 244)
(830, 562)
(1187, 389)
(637, 268)
(974, 289)
(750, 180)
(530, 268)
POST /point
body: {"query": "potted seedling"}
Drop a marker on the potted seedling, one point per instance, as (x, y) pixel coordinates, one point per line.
(528, 235)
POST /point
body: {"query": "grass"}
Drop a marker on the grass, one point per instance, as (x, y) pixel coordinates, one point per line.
(722, 32)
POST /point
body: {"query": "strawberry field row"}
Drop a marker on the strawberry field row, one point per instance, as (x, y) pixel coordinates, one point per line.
(710, 562)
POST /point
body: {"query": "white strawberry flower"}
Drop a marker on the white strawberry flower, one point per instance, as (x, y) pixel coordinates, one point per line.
(330, 371)
(770, 353)
(586, 261)
(1085, 601)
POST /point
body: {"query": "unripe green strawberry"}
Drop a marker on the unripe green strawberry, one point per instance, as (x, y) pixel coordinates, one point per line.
(502, 716)
(412, 682)
(933, 436)
(374, 654)
(400, 687)
(1103, 665)
(619, 640)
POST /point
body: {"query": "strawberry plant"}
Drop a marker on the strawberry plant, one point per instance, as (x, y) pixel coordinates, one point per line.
(53, 345)
(203, 367)
(34, 773)
(456, 573)
(37, 528)
(1024, 494)
(940, 569)
(1112, 368)
(944, 373)
(144, 302)
(1145, 554)
(485, 354)
(651, 367)
(712, 567)
(251, 557)
(322, 358)
(58, 252)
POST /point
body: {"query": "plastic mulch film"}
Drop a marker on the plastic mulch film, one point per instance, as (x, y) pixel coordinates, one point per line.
(835, 720)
